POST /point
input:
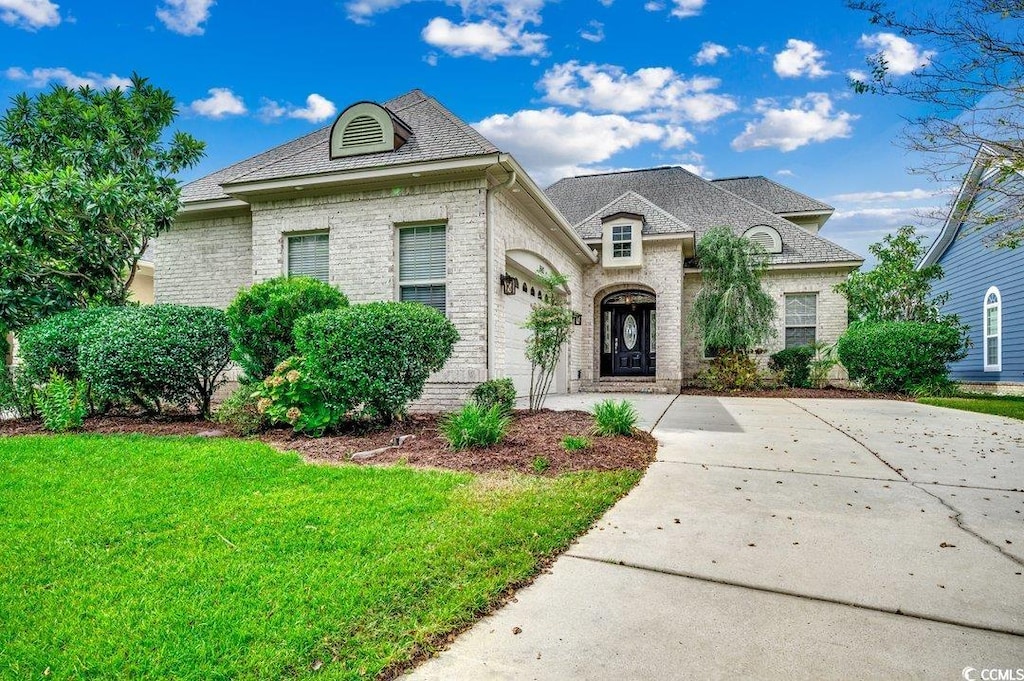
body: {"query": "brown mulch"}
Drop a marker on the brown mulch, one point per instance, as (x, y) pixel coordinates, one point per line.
(809, 393)
(120, 425)
(530, 436)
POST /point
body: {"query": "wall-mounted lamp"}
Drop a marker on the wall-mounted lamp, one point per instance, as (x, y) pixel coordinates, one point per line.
(577, 319)
(509, 284)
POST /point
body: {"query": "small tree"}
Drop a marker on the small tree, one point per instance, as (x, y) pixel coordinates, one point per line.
(895, 290)
(732, 311)
(550, 322)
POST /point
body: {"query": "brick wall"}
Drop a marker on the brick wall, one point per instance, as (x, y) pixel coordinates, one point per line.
(203, 262)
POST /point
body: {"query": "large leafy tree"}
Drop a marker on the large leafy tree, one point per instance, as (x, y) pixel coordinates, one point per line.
(970, 93)
(86, 182)
(732, 310)
(895, 290)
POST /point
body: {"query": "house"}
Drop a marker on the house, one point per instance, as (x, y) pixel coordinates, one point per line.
(985, 282)
(404, 201)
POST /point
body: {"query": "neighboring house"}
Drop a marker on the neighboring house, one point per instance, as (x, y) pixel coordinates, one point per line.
(985, 282)
(406, 202)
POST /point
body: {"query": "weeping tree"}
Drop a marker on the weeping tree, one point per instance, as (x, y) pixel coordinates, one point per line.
(550, 323)
(732, 311)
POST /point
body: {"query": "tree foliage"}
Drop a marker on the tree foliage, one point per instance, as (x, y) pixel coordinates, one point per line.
(895, 290)
(86, 182)
(732, 311)
(970, 92)
(549, 323)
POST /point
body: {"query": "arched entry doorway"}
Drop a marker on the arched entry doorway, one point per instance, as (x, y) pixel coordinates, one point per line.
(629, 334)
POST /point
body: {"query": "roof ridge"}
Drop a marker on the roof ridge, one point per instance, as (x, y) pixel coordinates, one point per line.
(778, 184)
(466, 127)
(640, 196)
(280, 158)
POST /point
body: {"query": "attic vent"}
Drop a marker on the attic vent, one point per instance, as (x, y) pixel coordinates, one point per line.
(360, 131)
(766, 237)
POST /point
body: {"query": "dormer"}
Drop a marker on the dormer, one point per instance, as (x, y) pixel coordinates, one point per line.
(367, 128)
(622, 242)
(766, 237)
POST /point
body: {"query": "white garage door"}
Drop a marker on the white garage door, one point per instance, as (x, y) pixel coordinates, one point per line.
(517, 367)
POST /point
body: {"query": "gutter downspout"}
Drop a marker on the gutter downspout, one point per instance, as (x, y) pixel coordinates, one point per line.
(489, 219)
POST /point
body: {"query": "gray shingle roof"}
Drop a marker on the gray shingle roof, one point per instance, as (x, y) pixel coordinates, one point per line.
(778, 198)
(693, 201)
(656, 220)
(437, 134)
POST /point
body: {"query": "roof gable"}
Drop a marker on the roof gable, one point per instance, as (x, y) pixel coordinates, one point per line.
(656, 220)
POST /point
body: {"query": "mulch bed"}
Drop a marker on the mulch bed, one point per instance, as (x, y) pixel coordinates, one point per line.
(809, 393)
(530, 436)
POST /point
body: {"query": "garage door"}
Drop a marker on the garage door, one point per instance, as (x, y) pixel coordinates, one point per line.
(517, 367)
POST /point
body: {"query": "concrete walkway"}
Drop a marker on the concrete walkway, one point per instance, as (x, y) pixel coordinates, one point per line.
(805, 539)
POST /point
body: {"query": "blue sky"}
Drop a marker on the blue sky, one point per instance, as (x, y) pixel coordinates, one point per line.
(724, 87)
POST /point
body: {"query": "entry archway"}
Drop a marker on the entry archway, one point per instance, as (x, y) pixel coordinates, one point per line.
(629, 331)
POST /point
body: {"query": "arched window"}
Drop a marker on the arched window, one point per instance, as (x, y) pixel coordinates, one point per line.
(992, 324)
(766, 237)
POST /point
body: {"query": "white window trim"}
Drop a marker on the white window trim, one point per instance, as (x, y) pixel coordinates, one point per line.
(286, 265)
(399, 282)
(622, 241)
(785, 326)
(985, 306)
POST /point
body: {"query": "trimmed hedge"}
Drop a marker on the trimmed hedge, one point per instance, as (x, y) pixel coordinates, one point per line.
(149, 356)
(497, 391)
(262, 320)
(53, 344)
(900, 356)
(372, 360)
(795, 365)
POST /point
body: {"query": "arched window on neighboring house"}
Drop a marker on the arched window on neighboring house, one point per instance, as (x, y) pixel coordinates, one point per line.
(992, 324)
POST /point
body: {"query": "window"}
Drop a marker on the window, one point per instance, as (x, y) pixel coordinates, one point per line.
(993, 325)
(622, 241)
(422, 265)
(766, 237)
(801, 318)
(308, 256)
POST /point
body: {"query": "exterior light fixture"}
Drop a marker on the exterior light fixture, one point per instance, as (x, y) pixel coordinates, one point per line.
(509, 284)
(577, 319)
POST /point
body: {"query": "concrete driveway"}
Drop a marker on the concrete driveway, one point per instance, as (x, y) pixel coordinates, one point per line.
(774, 538)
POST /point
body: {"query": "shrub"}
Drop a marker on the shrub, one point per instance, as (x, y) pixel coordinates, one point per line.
(541, 464)
(158, 354)
(574, 443)
(475, 426)
(289, 396)
(824, 361)
(615, 418)
(53, 344)
(940, 386)
(497, 391)
(372, 360)
(896, 356)
(794, 364)
(733, 371)
(62, 404)
(262, 320)
(240, 411)
(17, 393)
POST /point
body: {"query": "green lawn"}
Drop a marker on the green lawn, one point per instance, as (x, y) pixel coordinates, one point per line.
(137, 557)
(999, 405)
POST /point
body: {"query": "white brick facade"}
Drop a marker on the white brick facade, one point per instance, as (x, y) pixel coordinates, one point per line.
(203, 262)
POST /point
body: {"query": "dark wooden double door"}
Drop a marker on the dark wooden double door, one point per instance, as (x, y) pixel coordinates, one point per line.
(628, 340)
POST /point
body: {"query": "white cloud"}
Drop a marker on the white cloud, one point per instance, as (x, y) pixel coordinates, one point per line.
(687, 8)
(553, 144)
(41, 77)
(694, 162)
(29, 14)
(658, 92)
(482, 38)
(677, 137)
(874, 197)
(653, 6)
(709, 53)
(785, 172)
(800, 58)
(901, 56)
(594, 31)
(857, 74)
(185, 16)
(317, 109)
(222, 102)
(607, 3)
(807, 119)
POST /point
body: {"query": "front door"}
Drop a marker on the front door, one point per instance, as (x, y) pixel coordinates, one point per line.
(628, 330)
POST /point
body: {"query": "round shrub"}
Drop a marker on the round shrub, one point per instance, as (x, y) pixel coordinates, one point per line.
(372, 360)
(497, 391)
(52, 344)
(262, 318)
(149, 356)
(795, 365)
(899, 356)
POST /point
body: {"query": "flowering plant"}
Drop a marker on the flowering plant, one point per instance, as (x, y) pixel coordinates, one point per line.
(288, 396)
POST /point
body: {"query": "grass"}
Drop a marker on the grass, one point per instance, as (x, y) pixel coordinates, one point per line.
(998, 405)
(136, 557)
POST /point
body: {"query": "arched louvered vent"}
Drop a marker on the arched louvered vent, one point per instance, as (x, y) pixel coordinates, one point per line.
(361, 131)
(766, 237)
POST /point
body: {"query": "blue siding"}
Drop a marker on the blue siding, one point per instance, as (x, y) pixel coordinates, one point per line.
(971, 266)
